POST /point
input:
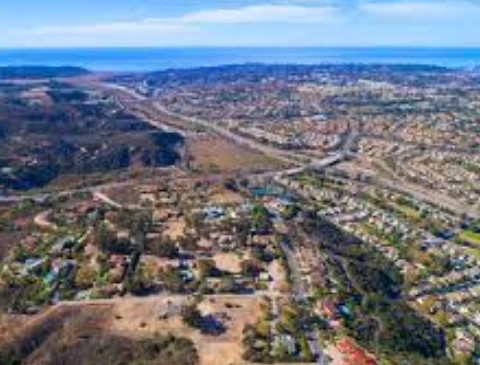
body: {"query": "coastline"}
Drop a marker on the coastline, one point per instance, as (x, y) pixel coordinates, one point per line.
(158, 59)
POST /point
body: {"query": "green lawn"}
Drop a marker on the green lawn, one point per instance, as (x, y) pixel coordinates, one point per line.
(472, 167)
(407, 211)
(475, 253)
(470, 237)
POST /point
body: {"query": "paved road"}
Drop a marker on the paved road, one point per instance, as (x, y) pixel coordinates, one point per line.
(98, 195)
(435, 147)
(283, 155)
(298, 287)
(99, 190)
(40, 197)
(421, 193)
(129, 98)
(300, 161)
(300, 293)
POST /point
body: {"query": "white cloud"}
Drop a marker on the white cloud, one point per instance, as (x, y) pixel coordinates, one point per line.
(256, 14)
(421, 9)
(286, 14)
(277, 22)
(147, 26)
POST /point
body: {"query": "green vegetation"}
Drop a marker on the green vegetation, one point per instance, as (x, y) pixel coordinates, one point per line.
(471, 167)
(393, 239)
(73, 133)
(261, 221)
(32, 293)
(173, 281)
(164, 248)
(192, 316)
(39, 72)
(108, 242)
(368, 283)
(101, 348)
(470, 237)
(285, 342)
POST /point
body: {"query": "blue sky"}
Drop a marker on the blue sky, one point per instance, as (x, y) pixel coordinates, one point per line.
(114, 23)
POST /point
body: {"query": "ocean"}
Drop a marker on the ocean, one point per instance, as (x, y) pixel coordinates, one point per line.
(151, 59)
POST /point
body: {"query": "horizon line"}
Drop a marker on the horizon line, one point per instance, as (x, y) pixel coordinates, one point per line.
(133, 47)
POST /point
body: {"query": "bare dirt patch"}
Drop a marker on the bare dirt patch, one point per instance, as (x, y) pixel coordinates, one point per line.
(229, 262)
(226, 197)
(142, 318)
(279, 284)
(175, 229)
(211, 154)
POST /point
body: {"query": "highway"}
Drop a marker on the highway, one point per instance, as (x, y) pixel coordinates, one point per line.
(131, 99)
(40, 197)
(156, 114)
(417, 191)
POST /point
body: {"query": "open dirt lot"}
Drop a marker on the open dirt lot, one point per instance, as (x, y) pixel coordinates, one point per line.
(210, 154)
(145, 317)
(137, 318)
(226, 197)
(175, 229)
(230, 262)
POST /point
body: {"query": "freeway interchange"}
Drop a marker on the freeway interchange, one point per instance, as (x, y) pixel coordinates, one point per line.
(159, 116)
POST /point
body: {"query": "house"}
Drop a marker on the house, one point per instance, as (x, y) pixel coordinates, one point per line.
(51, 277)
(343, 310)
(63, 244)
(148, 198)
(286, 342)
(213, 213)
(60, 270)
(327, 309)
(31, 265)
(353, 354)
(264, 277)
(186, 275)
(83, 295)
(464, 342)
(432, 242)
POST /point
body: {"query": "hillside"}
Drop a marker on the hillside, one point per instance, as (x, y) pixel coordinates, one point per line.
(40, 72)
(50, 129)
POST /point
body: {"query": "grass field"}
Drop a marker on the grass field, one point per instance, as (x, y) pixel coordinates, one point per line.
(116, 325)
(407, 211)
(211, 154)
(474, 252)
(470, 237)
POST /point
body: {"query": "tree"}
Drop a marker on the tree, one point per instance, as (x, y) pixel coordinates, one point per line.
(9, 357)
(140, 283)
(141, 223)
(19, 253)
(228, 285)
(261, 221)
(84, 277)
(208, 268)
(164, 248)
(172, 280)
(291, 211)
(191, 315)
(107, 241)
(251, 268)
(261, 254)
(230, 184)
